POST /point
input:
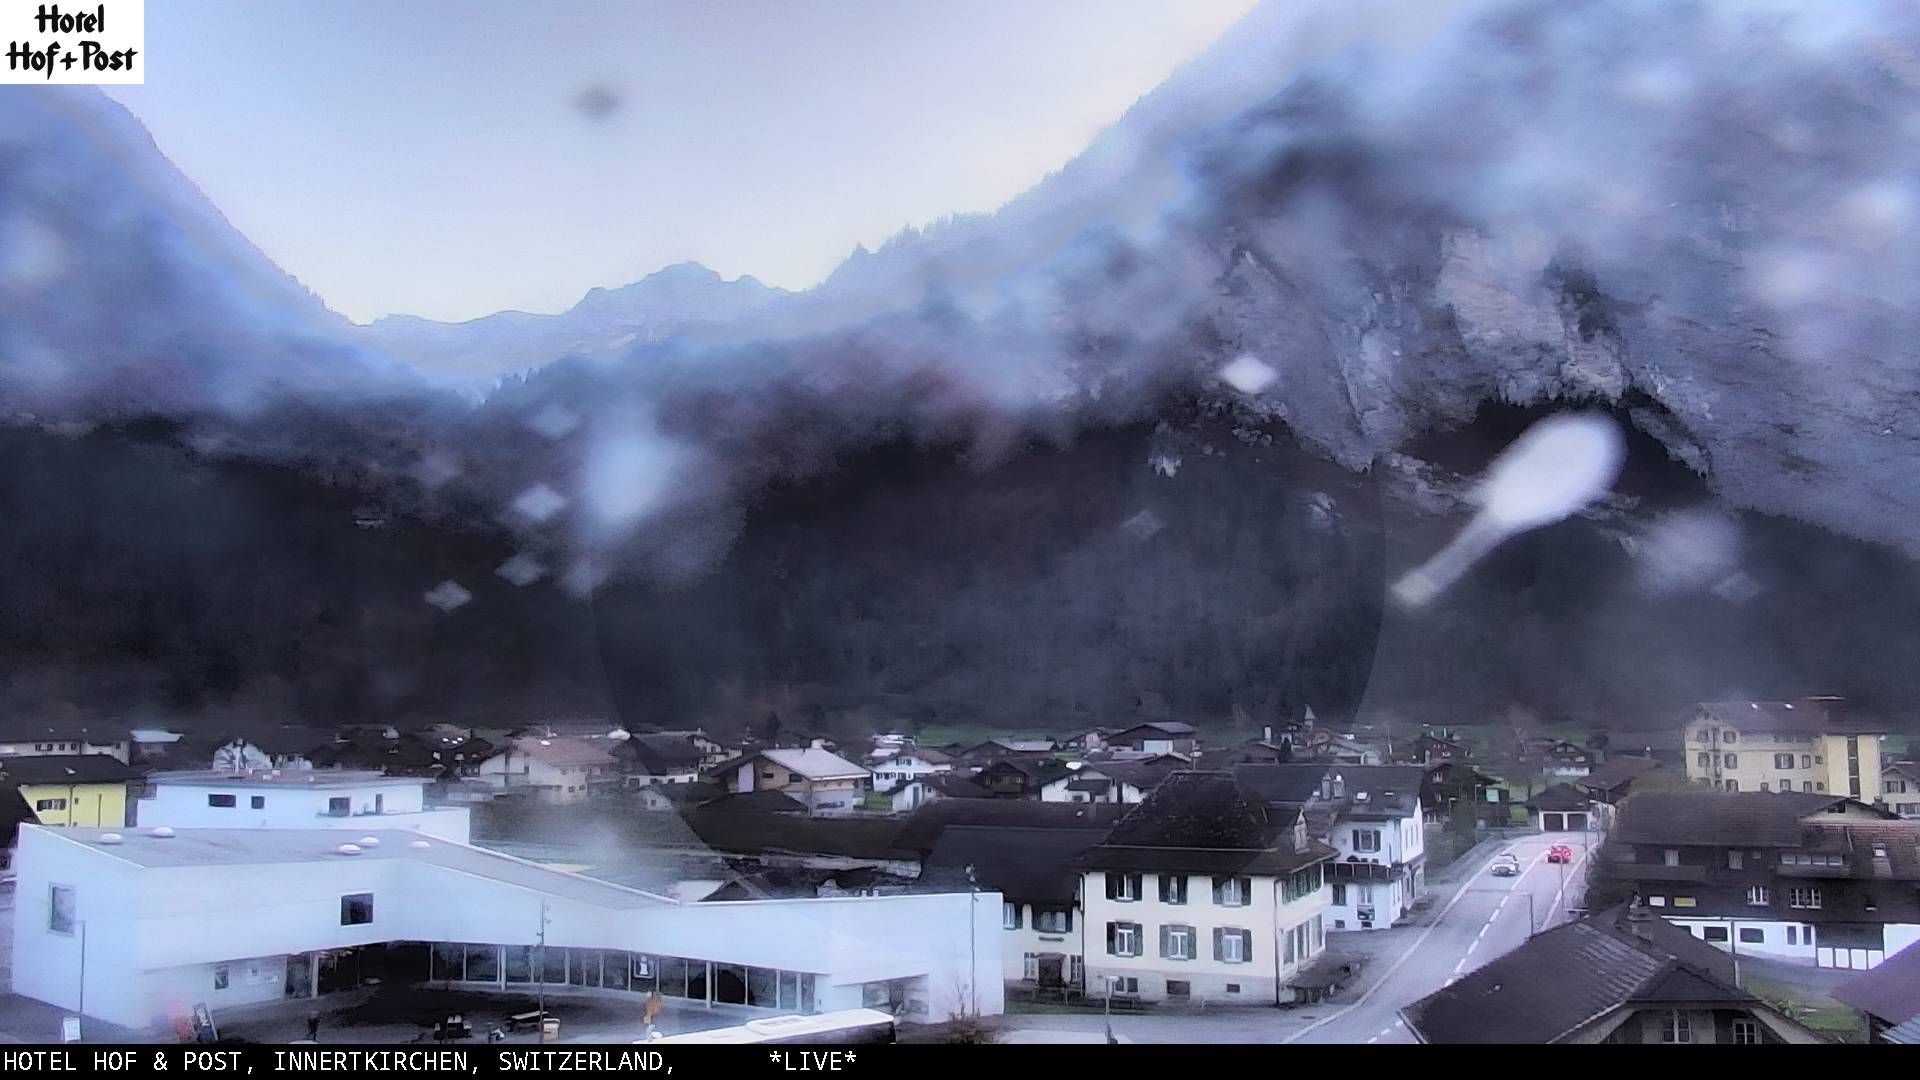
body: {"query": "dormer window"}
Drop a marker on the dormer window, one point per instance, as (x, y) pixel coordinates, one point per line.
(1729, 736)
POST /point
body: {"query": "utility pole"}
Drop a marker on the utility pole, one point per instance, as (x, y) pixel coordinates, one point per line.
(973, 946)
(82, 1007)
(541, 982)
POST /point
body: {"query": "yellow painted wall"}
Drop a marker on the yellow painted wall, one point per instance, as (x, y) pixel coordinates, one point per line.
(88, 805)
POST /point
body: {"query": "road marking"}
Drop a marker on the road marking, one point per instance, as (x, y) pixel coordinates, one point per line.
(1375, 1039)
(1458, 964)
(1483, 931)
(1474, 944)
(1458, 895)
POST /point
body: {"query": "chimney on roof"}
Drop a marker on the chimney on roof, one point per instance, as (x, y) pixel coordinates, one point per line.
(1640, 919)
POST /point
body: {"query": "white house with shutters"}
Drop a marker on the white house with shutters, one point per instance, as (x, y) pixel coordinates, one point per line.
(1199, 896)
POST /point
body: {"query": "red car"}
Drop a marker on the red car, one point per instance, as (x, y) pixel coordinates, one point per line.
(1560, 853)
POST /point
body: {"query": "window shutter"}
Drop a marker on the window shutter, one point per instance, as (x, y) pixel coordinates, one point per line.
(1112, 935)
(1113, 890)
(1166, 943)
(1246, 946)
(1219, 935)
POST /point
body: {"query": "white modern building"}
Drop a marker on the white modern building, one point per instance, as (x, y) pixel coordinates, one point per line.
(297, 799)
(168, 919)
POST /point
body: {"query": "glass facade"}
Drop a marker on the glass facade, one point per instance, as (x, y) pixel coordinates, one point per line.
(612, 969)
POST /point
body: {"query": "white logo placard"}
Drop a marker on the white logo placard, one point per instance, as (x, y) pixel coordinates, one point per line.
(74, 43)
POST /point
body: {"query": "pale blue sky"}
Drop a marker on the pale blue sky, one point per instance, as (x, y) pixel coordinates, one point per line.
(426, 157)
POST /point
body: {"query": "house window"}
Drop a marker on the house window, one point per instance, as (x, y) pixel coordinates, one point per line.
(60, 909)
(1700, 759)
(1675, 1027)
(1123, 984)
(1803, 897)
(258, 802)
(1733, 761)
(1176, 942)
(1233, 988)
(1763, 785)
(1806, 761)
(1785, 761)
(1656, 901)
(1123, 939)
(1714, 933)
(222, 801)
(356, 909)
(1759, 895)
(1819, 785)
(1793, 935)
(1746, 1032)
(1366, 839)
(1734, 859)
(222, 975)
(1671, 856)
(1232, 946)
(1339, 894)
(1123, 887)
(1053, 920)
(50, 804)
(1173, 888)
(339, 807)
(1806, 785)
(1232, 891)
(1010, 916)
(1179, 988)
(1733, 785)
(1030, 967)
(1753, 935)
(1683, 901)
(1728, 736)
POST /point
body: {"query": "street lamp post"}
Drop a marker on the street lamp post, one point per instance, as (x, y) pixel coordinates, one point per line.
(1108, 979)
(542, 981)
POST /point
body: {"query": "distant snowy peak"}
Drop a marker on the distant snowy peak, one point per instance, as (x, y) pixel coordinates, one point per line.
(679, 300)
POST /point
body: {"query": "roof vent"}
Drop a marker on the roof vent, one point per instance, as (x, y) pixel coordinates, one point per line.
(419, 845)
(161, 831)
(348, 849)
(112, 838)
(369, 841)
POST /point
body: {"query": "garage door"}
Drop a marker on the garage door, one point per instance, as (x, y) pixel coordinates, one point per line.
(1576, 822)
(1553, 821)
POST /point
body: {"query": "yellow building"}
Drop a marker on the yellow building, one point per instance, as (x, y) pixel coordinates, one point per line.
(87, 790)
(1808, 744)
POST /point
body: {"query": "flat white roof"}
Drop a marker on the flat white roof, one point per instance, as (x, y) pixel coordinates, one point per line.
(255, 847)
(306, 778)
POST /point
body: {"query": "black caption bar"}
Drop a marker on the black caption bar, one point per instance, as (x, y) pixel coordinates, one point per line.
(299, 1061)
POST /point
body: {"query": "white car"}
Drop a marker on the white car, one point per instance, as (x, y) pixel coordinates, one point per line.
(1506, 866)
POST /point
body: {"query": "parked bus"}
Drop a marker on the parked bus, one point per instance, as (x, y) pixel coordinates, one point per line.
(849, 1028)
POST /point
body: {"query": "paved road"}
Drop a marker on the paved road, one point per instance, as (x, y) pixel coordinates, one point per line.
(1487, 917)
(1484, 917)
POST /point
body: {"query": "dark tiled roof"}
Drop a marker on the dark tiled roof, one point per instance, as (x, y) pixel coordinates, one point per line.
(1570, 975)
(1813, 716)
(1034, 865)
(1718, 818)
(1561, 796)
(1203, 822)
(754, 802)
(1156, 729)
(953, 786)
(1890, 992)
(66, 769)
(1616, 771)
(853, 837)
(921, 831)
(660, 754)
(1290, 783)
